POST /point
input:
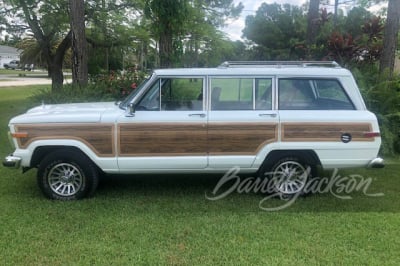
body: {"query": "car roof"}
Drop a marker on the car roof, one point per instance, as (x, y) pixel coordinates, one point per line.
(295, 71)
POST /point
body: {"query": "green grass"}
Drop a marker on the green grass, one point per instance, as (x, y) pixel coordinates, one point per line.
(19, 71)
(166, 220)
(14, 101)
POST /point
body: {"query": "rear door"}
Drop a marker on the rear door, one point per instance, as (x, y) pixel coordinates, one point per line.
(241, 120)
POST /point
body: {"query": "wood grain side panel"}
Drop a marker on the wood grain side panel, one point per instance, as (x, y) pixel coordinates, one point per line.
(162, 139)
(100, 138)
(240, 138)
(324, 131)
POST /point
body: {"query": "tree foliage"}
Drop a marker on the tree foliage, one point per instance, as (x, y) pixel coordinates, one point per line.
(110, 28)
(276, 30)
(154, 33)
(187, 25)
(168, 19)
(364, 48)
(312, 22)
(40, 17)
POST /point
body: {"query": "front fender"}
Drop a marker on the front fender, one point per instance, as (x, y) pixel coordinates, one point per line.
(105, 163)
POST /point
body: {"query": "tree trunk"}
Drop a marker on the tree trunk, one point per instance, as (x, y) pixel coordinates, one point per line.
(390, 39)
(79, 44)
(335, 14)
(57, 76)
(55, 62)
(312, 24)
(166, 51)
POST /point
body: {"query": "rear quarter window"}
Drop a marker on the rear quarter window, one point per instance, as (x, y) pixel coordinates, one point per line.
(312, 94)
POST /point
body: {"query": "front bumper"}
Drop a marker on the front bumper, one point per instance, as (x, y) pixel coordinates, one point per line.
(376, 163)
(12, 161)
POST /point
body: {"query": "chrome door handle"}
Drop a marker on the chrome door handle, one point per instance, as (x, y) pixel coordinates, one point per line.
(200, 115)
(270, 115)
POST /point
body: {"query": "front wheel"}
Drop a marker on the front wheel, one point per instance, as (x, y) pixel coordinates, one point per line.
(67, 175)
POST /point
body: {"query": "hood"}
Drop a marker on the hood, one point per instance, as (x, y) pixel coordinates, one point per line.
(66, 113)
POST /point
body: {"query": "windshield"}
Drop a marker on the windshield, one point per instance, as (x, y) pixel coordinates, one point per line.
(129, 98)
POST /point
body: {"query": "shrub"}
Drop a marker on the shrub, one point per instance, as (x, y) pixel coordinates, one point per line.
(382, 96)
(103, 87)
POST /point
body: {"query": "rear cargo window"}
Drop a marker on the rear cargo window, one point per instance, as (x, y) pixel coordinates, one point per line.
(312, 94)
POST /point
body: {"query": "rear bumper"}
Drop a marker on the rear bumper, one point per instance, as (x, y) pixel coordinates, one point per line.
(376, 163)
(12, 161)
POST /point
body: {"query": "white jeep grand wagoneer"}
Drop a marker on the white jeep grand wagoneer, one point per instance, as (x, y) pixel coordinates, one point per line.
(284, 118)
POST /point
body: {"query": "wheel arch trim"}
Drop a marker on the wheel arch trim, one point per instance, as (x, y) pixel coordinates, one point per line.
(309, 156)
(38, 149)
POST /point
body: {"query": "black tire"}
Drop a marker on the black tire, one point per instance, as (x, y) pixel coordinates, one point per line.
(67, 175)
(288, 176)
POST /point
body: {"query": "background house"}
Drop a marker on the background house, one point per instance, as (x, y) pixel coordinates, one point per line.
(7, 54)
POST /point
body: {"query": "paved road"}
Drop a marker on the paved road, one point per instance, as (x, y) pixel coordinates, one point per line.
(24, 82)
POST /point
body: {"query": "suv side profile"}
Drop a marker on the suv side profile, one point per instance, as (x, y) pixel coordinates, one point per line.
(14, 64)
(284, 118)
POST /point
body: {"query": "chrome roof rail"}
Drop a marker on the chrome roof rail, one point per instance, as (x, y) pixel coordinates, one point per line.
(228, 64)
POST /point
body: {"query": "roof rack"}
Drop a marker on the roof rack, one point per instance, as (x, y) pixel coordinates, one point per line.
(227, 64)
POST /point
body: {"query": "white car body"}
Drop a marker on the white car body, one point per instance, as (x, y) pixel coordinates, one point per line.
(14, 64)
(124, 139)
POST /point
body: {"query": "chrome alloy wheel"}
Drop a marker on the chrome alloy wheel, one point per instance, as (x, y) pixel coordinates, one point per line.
(65, 179)
(290, 177)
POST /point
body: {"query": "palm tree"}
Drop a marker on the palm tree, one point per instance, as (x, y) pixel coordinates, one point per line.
(31, 53)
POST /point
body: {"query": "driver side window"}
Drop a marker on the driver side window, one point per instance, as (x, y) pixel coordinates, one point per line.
(174, 94)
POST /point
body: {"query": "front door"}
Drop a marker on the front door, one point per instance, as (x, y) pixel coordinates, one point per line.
(168, 129)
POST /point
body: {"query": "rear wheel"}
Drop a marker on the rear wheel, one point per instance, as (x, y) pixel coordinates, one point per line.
(67, 175)
(288, 176)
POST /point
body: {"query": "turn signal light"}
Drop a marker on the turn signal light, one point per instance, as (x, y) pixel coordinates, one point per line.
(19, 135)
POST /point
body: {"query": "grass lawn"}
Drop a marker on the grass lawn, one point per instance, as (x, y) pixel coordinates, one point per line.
(42, 73)
(167, 220)
(19, 71)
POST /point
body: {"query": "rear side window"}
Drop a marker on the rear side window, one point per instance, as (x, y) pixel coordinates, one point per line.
(241, 94)
(312, 94)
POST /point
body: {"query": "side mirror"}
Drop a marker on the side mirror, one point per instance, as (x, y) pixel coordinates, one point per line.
(130, 111)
